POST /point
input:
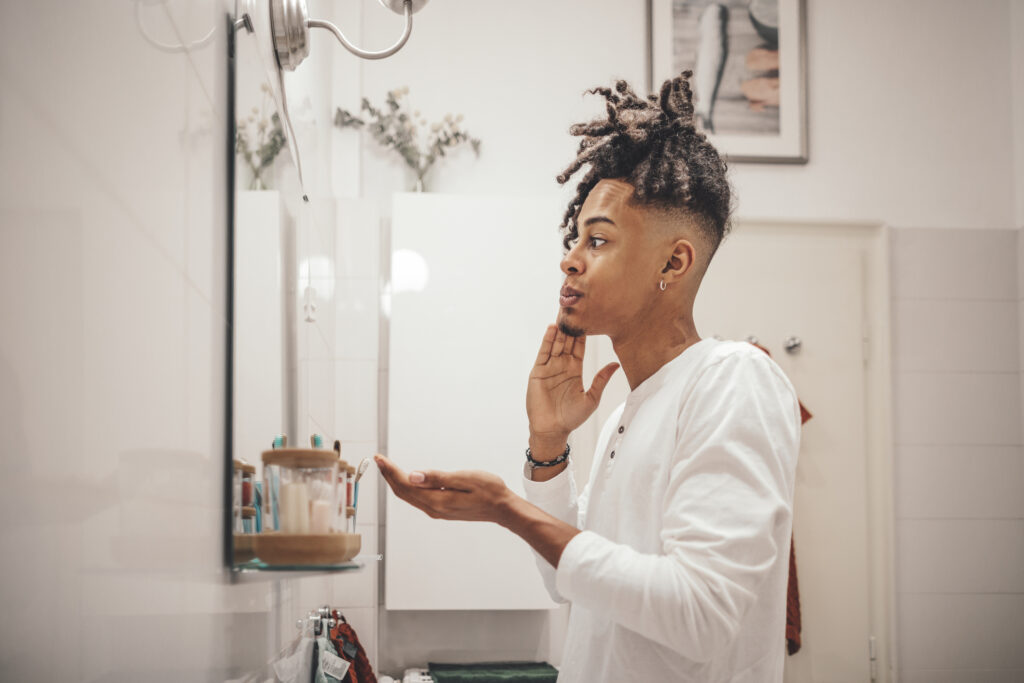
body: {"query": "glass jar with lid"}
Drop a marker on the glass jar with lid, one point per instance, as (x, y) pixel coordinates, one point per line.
(301, 488)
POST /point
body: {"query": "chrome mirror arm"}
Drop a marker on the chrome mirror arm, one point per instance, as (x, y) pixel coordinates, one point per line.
(366, 54)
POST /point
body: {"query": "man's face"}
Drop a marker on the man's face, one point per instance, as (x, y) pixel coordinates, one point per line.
(614, 265)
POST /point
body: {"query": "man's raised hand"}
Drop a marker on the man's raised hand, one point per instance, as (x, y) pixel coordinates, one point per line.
(556, 403)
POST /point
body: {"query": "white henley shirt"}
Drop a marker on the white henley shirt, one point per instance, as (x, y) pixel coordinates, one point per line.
(681, 569)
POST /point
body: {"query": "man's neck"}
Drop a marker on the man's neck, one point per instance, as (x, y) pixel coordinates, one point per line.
(645, 349)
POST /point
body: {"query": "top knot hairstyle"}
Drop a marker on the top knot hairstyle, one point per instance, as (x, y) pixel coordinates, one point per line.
(654, 145)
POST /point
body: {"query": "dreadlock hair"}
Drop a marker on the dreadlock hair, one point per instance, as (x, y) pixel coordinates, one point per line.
(654, 145)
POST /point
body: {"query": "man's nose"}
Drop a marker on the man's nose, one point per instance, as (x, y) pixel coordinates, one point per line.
(571, 262)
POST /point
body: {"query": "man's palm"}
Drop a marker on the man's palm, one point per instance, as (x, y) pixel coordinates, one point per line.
(556, 403)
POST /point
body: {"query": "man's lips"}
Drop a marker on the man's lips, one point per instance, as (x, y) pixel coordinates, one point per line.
(569, 296)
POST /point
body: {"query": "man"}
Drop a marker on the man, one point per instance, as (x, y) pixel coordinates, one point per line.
(675, 555)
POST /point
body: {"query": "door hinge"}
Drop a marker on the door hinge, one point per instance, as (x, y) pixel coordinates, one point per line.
(865, 343)
(873, 658)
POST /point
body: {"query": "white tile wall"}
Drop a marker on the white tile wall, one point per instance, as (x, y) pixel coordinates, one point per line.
(113, 220)
(355, 361)
(959, 460)
(113, 217)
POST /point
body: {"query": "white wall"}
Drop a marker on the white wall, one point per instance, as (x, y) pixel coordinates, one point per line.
(113, 309)
(113, 224)
(959, 464)
(909, 104)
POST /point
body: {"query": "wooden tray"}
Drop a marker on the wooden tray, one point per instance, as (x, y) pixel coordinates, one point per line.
(306, 549)
(244, 547)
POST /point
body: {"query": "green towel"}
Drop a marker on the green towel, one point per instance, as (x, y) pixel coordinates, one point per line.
(510, 672)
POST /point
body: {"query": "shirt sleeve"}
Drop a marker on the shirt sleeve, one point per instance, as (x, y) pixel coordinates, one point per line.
(727, 505)
(557, 497)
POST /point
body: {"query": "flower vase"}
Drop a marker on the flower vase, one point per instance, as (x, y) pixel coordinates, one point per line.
(257, 183)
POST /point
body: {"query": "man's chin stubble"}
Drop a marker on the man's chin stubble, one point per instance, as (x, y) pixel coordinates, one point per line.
(571, 331)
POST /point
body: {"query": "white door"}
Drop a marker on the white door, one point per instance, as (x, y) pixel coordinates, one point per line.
(773, 283)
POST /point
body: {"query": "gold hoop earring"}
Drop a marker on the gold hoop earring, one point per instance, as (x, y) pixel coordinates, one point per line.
(662, 286)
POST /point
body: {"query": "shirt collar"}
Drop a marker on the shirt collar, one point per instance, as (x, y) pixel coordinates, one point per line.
(662, 374)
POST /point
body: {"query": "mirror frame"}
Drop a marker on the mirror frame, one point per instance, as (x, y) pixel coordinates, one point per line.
(227, 488)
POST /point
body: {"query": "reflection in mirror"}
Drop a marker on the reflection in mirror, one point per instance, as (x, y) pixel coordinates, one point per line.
(284, 253)
(299, 515)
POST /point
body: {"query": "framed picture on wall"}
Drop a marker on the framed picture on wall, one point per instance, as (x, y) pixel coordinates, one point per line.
(748, 59)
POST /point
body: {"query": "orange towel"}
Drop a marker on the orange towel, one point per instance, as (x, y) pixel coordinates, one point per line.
(793, 595)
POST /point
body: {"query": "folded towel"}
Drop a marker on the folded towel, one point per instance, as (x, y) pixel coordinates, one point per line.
(510, 672)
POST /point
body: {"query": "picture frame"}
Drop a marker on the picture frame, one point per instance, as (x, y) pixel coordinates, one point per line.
(740, 52)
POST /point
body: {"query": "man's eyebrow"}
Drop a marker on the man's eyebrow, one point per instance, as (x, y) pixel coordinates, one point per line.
(598, 219)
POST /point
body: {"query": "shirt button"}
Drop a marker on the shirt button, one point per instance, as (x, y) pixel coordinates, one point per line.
(621, 429)
(613, 454)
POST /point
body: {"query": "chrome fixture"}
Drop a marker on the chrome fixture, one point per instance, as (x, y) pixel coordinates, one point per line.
(290, 24)
(317, 619)
(289, 30)
(245, 22)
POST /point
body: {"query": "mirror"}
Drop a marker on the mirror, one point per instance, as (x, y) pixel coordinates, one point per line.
(283, 341)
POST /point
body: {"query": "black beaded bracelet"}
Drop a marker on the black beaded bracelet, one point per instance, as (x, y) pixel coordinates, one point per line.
(549, 463)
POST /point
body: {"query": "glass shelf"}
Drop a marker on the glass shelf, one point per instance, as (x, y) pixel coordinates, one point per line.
(256, 571)
(256, 565)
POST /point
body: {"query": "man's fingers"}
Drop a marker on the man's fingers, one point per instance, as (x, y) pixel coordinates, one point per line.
(393, 475)
(390, 473)
(545, 345)
(421, 479)
(432, 479)
(559, 344)
(385, 465)
(579, 347)
(601, 381)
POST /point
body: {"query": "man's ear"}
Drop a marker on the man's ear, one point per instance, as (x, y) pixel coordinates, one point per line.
(681, 260)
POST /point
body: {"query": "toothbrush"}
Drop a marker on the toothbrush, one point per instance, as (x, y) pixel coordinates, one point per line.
(355, 505)
(275, 498)
(365, 463)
